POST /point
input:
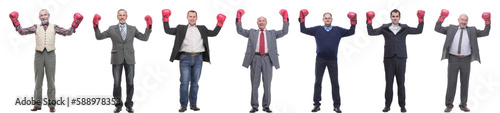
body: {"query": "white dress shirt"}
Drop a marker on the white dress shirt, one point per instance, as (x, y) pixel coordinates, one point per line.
(193, 41)
(395, 28)
(258, 42)
(466, 48)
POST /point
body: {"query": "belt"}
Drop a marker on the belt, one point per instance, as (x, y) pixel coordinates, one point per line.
(192, 53)
(459, 56)
(265, 54)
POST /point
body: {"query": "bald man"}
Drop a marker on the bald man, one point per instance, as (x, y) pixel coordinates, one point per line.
(261, 55)
(460, 48)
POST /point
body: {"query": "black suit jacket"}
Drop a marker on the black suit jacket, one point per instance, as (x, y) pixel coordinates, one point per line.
(180, 35)
(395, 44)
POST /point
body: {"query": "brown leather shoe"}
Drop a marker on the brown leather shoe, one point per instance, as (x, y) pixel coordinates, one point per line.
(464, 108)
(36, 108)
(52, 109)
(447, 110)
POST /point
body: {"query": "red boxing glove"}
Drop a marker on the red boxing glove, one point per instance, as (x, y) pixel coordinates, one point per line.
(369, 16)
(284, 14)
(13, 17)
(166, 13)
(352, 16)
(444, 14)
(220, 19)
(97, 17)
(303, 14)
(487, 18)
(420, 15)
(77, 18)
(149, 22)
(240, 13)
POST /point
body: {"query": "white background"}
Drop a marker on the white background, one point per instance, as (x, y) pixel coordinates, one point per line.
(84, 69)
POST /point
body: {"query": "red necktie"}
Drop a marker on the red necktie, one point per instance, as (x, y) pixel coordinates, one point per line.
(262, 47)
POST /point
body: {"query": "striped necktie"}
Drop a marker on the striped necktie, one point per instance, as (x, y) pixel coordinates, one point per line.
(122, 30)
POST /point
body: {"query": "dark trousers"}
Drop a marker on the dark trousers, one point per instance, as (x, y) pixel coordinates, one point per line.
(455, 65)
(395, 66)
(117, 89)
(321, 64)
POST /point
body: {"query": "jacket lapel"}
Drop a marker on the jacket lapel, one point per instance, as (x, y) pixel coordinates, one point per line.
(129, 32)
(117, 29)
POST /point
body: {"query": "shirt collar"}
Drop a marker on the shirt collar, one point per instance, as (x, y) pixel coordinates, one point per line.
(394, 25)
(327, 27)
(124, 25)
(46, 24)
(462, 28)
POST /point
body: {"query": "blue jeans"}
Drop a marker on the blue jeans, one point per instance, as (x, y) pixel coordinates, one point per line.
(117, 89)
(190, 68)
(321, 65)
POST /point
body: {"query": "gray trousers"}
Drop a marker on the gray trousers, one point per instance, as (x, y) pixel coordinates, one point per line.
(455, 65)
(45, 62)
(261, 64)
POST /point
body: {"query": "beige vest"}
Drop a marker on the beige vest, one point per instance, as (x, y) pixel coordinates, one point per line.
(45, 38)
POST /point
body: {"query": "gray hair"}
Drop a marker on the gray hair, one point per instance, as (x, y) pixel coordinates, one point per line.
(123, 10)
(45, 11)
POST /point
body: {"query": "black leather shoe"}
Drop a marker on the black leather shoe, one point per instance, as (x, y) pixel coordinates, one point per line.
(267, 110)
(386, 109)
(36, 108)
(403, 110)
(447, 110)
(253, 110)
(117, 110)
(194, 108)
(316, 108)
(337, 110)
(182, 109)
(130, 110)
(464, 108)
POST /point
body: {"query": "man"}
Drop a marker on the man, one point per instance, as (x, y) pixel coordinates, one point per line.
(261, 55)
(122, 54)
(327, 44)
(45, 56)
(395, 52)
(191, 49)
(460, 48)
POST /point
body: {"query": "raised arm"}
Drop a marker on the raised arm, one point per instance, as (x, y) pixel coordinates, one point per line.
(140, 36)
(284, 30)
(22, 31)
(64, 32)
(302, 19)
(353, 18)
(487, 20)
(166, 14)
(439, 28)
(239, 28)
(98, 34)
(149, 25)
(419, 29)
(369, 17)
(220, 21)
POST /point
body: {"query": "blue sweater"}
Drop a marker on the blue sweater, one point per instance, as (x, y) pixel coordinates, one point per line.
(327, 43)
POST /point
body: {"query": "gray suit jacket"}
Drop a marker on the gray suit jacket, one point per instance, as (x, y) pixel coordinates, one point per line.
(253, 35)
(450, 32)
(123, 50)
